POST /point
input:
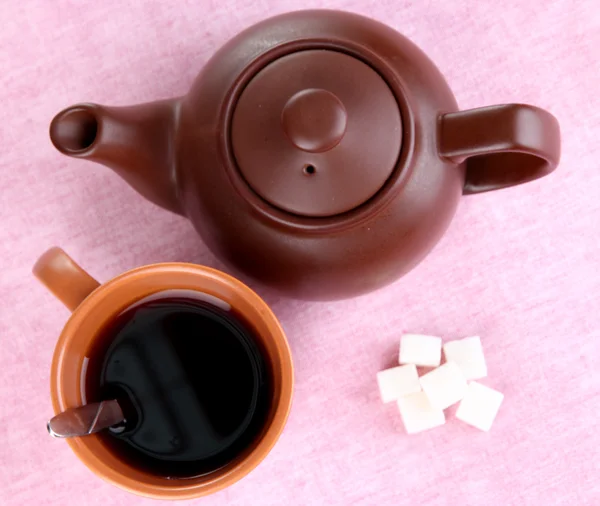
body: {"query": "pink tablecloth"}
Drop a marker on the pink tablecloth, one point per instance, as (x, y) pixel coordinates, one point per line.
(520, 267)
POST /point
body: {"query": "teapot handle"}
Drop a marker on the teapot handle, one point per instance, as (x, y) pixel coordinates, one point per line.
(503, 145)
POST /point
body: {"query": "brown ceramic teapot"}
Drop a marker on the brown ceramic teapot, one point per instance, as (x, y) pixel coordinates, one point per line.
(319, 152)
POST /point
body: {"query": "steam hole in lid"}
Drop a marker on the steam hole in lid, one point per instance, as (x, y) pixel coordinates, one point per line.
(74, 130)
(309, 170)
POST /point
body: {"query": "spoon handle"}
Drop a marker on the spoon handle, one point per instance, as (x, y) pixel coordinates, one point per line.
(84, 420)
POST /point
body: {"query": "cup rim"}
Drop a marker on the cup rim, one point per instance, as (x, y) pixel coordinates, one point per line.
(115, 295)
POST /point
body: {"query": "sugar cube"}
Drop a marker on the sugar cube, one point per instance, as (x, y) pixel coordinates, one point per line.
(418, 414)
(444, 386)
(420, 350)
(479, 406)
(468, 354)
(397, 382)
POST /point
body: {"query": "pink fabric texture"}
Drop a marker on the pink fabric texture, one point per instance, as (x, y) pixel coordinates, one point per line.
(519, 266)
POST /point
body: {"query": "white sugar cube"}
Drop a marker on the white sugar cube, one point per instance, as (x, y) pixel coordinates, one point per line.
(444, 386)
(397, 382)
(420, 350)
(418, 414)
(468, 354)
(479, 406)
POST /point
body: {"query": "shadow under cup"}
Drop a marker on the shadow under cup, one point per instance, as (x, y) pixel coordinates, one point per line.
(102, 306)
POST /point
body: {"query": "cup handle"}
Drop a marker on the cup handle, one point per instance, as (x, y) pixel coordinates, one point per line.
(64, 278)
(503, 145)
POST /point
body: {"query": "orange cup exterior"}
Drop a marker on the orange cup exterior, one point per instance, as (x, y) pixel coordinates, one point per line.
(94, 306)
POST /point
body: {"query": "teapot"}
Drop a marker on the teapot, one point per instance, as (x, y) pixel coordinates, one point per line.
(319, 152)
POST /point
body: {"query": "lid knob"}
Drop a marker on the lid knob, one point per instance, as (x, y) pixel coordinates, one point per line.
(314, 120)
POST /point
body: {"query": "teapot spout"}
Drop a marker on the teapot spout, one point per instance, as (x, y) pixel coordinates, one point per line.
(137, 142)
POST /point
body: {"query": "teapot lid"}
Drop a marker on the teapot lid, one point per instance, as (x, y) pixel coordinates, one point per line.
(316, 133)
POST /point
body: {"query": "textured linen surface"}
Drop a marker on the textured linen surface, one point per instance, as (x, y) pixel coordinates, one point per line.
(519, 267)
